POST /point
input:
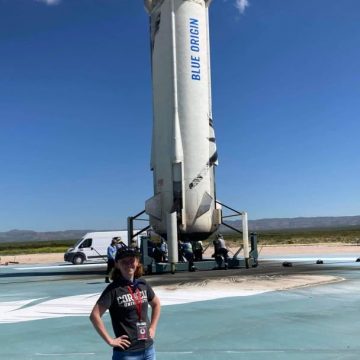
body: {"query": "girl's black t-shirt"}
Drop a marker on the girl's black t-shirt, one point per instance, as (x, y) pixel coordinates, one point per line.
(123, 312)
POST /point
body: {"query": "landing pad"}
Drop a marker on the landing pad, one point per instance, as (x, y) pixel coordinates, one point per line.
(307, 311)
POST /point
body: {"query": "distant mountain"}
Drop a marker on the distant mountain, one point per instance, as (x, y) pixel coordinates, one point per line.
(254, 225)
(326, 222)
(29, 235)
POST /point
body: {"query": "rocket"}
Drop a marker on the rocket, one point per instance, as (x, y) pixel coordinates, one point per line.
(183, 153)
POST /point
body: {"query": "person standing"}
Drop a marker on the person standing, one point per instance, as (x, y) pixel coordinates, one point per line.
(119, 242)
(163, 248)
(220, 251)
(198, 250)
(111, 251)
(188, 253)
(127, 299)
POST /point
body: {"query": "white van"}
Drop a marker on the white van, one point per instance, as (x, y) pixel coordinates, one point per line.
(93, 246)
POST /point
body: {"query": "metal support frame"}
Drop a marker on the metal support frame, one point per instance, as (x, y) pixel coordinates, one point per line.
(130, 226)
(244, 232)
(146, 259)
(172, 265)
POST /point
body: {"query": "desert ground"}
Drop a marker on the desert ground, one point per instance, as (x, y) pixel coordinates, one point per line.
(266, 250)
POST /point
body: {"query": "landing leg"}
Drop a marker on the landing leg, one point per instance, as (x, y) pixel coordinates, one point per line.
(172, 238)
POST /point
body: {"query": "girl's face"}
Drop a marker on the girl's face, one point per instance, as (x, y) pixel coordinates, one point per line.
(128, 266)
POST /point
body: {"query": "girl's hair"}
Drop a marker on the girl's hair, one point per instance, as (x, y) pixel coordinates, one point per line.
(116, 273)
(139, 272)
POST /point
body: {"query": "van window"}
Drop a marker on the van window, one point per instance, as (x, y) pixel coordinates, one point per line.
(86, 243)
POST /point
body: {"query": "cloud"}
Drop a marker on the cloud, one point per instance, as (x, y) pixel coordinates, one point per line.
(241, 5)
(50, 2)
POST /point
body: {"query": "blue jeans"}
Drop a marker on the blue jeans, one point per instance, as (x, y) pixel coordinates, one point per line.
(147, 354)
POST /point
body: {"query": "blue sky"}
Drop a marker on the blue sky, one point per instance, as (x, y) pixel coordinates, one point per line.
(75, 110)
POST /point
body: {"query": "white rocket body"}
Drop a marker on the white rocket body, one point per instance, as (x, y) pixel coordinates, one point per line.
(183, 152)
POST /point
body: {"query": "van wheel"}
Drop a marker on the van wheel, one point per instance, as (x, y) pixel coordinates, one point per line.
(78, 260)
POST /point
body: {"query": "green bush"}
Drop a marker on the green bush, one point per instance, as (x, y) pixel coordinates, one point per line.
(35, 247)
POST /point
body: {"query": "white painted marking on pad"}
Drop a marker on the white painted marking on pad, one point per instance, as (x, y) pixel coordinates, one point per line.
(185, 296)
(81, 305)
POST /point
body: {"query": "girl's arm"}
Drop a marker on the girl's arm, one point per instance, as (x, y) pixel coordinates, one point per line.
(96, 319)
(155, 315)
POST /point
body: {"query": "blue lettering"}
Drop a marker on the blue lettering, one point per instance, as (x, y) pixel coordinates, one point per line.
(194, 22)
(195, 47)
(194, 42)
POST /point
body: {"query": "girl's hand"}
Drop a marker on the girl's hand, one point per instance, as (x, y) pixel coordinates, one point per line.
(152, 332)
(121, 342)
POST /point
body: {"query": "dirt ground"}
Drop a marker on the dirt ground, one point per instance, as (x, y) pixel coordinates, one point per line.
(31, 259)
(263, 250)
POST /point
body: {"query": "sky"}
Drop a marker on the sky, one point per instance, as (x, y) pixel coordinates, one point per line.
(76, 110)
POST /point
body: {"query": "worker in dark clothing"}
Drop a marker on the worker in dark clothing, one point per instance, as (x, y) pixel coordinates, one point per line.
(198, 250)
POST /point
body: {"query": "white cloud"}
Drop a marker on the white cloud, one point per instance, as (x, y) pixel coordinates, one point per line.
(50, 2)
(241, 5)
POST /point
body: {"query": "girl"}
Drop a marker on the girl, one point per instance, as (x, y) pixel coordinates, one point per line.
(127, 299)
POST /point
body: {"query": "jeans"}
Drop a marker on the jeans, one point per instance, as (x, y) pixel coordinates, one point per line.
(147, 354)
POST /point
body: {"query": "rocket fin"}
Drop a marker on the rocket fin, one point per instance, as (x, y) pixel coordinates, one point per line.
(205, 205)
(153, 206)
